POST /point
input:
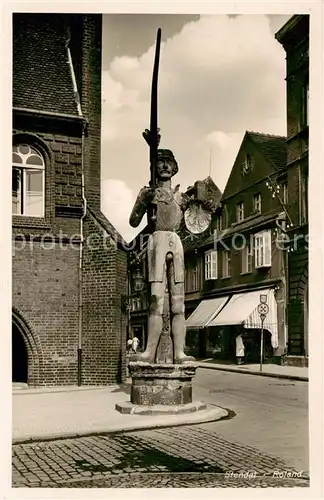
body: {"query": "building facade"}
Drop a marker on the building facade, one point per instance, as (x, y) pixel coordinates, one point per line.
(294, 37)
(242, 259)
(69, 264)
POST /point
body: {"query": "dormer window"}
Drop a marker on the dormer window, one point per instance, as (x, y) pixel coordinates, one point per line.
(28, 169)
(240, 211)
(247, 164)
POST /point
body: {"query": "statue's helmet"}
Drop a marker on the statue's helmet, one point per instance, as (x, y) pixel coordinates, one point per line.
(166, 154)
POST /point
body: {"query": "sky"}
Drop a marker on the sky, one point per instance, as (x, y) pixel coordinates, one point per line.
(219, 76)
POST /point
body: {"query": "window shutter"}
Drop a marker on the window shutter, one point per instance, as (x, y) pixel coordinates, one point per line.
(249, 260)
(257, 250)
(214, 265)
(258, 239)
(211, 265)
(206, 267)
(267, 248)
(263, 249)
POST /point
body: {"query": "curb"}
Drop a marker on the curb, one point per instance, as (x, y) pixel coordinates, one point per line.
(211, 414)
(64, 389)
(250, 372)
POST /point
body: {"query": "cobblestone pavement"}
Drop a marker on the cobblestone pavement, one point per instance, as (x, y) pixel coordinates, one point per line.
(188, 456)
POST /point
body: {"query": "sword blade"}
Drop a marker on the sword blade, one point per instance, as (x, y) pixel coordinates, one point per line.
(154, 111)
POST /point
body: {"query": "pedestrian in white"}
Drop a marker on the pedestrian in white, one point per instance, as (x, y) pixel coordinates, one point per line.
(239, 349)
(135, 344)
(129, 345)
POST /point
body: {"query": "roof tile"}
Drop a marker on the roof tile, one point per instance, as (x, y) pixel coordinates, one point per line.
(41, 73)
(273, 147)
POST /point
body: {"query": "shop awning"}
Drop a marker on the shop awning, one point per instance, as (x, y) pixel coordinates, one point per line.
(241, 309)
(205, 311)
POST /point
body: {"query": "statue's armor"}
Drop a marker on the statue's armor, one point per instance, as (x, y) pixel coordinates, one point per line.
(168, 209)
(164, 239)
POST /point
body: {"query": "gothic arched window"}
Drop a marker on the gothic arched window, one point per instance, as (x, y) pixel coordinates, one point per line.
(28, 186)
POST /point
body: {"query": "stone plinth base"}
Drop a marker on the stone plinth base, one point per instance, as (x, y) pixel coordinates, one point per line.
(131, 409)
(161, 384)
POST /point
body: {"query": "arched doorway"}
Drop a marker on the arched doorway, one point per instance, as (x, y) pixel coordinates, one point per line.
(19, 356)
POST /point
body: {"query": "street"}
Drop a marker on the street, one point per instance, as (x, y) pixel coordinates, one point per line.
(263, 442)
(271, 413)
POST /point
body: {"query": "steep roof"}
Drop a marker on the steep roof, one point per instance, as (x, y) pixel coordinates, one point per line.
(41, 73)
(191, 242)
(268, 154)
(107, 226)
(273, 147)
(296, 28)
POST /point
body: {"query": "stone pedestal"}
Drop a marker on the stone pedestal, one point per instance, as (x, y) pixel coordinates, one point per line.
(161, 389)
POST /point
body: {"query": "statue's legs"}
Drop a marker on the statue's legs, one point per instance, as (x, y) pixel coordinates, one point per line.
(155, 323)
(178, 325)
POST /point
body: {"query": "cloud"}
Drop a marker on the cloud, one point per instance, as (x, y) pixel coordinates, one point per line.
(117, 201)
(219, 76)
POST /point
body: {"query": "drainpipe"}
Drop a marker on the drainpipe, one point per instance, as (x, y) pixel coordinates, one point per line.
(84, 204)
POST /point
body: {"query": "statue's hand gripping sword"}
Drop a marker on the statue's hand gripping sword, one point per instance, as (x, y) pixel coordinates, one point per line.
(152, 136)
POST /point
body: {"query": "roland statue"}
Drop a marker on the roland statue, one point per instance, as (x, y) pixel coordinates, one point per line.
(165, 254)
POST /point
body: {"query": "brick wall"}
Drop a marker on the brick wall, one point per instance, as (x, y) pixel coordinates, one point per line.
(46, 280)
(298, 284)
(91, 104)
(68, 160)
(104, 277)
(121, 318)
(45, 294)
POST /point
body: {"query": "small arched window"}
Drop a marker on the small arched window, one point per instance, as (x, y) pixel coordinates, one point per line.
(28, 170)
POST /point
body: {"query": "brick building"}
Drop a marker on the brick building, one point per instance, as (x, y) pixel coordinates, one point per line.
(294, 37)
(241, 259)
(69, 266)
